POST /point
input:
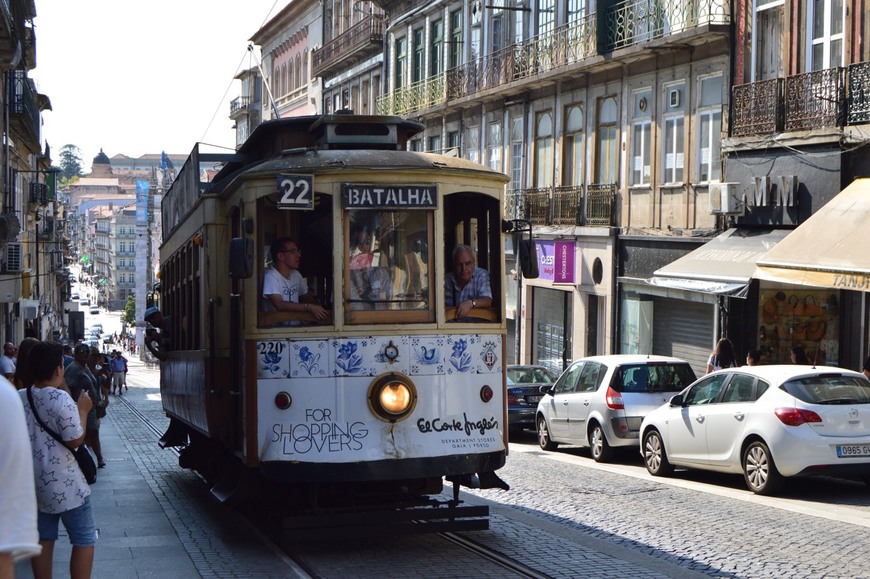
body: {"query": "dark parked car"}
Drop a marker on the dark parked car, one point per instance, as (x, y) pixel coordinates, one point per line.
(523, 394)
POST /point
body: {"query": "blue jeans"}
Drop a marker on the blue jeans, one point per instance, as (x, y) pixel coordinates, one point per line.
(78, 522)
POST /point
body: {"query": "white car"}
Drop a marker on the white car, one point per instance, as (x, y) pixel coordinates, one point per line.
(600, 401)
(767, 422)
(94, 310)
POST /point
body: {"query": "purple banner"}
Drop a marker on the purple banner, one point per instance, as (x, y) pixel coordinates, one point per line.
(564, 265)
(555, 260)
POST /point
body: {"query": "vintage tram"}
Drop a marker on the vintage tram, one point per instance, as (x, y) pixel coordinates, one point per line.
(373, 407)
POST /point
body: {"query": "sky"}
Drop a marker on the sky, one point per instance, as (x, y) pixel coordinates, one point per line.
(135, 78)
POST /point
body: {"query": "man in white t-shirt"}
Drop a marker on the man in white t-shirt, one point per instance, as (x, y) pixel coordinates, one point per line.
(7, 361)
(284, 288)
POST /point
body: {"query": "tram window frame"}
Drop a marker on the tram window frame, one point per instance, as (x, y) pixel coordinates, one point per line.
(386, 310)
(312, 231)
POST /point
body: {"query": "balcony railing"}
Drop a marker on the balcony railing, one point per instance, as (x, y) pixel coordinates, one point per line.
(21, 97)
(239, 104)
(814, 99)
(368, 32)
(802, 102)
(633, 22)
(859, 93)
(756, 108)
(567, 206)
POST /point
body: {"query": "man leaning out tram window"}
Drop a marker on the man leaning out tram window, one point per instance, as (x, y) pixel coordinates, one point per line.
(284, 288)
(467, 286)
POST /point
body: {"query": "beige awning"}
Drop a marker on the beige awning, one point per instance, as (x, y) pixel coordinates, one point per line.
(831, 249)
(723, 266)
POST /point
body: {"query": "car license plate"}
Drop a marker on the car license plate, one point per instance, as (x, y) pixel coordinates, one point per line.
(533, 399)
(853, 450)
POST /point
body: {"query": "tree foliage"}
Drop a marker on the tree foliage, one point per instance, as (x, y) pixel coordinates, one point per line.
(129, 316)
(70, 162)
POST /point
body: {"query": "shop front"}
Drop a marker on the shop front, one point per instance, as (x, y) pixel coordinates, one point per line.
(815, 284)
(685, 305)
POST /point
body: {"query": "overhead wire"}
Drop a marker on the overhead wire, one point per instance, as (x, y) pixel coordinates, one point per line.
(247, 52)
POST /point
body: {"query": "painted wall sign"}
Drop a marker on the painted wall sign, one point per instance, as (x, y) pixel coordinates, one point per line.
(399, 196)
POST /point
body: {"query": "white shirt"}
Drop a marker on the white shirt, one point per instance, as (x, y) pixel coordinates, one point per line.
(290, 288)
(60, 484)
(18, 534)
(7, 365)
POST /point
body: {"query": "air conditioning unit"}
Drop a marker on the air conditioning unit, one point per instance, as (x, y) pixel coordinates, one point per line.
(13, 256)
(724, 199)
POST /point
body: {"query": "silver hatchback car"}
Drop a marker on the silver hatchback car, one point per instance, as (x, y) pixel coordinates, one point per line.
(601, 401)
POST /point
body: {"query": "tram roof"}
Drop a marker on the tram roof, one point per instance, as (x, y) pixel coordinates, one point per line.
(326, 143)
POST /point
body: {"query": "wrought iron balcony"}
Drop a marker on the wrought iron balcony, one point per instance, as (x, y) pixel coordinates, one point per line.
(359, 41)
(814, 99)
(23, 108)
(802, 102)
(239, 104)
(569, 206)
(632, 22)
(859, 93)
(564, 46)
(756, 108)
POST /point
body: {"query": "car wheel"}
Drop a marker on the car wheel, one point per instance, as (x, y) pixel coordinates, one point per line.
(654, 455)
(759, 471)
(601, 451)
(544, 435)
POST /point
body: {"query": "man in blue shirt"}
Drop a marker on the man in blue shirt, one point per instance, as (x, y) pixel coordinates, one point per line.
(467, 286)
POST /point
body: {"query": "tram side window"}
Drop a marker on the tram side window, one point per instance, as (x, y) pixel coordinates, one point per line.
(312, 232)
(472, 220)
(387, 257)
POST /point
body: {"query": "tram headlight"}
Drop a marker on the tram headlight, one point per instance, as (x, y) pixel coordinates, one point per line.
(392, 396)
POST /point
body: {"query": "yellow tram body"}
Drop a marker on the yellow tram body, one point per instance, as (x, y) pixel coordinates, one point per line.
(391, 391)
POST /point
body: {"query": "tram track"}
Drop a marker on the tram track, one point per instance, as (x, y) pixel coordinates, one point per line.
(305, 567)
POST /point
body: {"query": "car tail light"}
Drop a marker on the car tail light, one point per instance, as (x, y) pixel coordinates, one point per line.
(796, 416)
(512, 398)
(614, 399)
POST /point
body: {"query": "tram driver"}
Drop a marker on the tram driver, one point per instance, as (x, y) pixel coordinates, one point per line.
(284, 288)
(467, 286)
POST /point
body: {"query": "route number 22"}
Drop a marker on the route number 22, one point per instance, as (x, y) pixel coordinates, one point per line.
(296, 192)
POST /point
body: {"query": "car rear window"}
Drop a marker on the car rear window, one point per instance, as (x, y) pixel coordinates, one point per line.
(830, 389)
(529, 376)
(653, 377)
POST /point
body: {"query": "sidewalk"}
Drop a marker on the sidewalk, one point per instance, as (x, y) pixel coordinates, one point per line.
(153, 518)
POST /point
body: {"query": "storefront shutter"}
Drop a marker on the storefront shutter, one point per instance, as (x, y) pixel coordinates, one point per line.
(684, 330)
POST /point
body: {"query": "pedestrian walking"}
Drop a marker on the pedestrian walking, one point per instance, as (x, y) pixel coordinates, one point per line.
(118, 364)
(722, 356)
(80, 378)
(62, 493)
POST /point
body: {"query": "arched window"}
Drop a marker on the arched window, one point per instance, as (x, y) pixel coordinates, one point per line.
(290, 75)
(544, 150)
(572, 162)
(298, 71)
(607, 150)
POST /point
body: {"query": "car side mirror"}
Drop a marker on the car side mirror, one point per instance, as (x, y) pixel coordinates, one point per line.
(546, 389)
(677, 400)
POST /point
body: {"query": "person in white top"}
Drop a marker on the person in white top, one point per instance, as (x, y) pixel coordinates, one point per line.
(18, 537)
(7, 360)
(284, 288)
(62, 493)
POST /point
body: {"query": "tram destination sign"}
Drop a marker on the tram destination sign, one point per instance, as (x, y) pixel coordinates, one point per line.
(295, 192)
(405, 196)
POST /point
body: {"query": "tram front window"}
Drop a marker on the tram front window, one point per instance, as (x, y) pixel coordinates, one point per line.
(387, 265)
